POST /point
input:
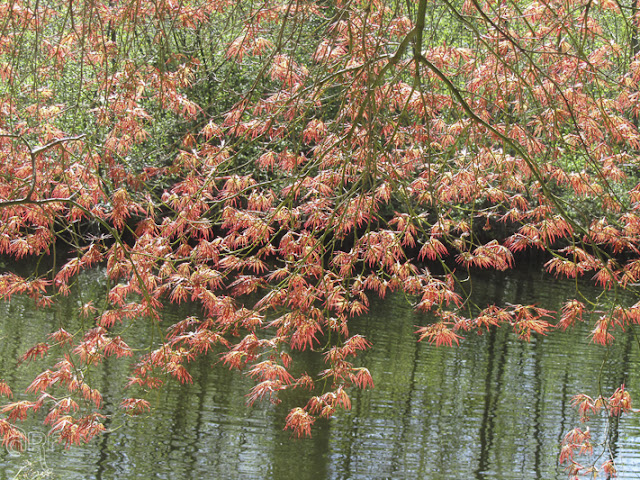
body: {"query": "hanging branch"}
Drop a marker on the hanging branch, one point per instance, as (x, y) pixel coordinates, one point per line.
(33, 153)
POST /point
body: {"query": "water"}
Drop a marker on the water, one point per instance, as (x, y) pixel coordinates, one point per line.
(492, 408)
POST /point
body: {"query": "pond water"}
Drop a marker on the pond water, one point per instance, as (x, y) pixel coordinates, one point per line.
(492, 408)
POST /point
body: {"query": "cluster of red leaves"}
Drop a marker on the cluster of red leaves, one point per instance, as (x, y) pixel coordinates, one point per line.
(524, 319)
(342, 167)
(578, 442)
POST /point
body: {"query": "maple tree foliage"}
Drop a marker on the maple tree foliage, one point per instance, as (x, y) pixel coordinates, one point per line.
(279, 162)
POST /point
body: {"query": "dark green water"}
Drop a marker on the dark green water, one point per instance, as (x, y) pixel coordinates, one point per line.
(492, 408)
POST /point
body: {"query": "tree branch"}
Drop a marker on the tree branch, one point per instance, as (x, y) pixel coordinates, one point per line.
(33, 152)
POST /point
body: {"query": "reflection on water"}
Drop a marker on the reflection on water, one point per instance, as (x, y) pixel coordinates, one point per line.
(492, 408)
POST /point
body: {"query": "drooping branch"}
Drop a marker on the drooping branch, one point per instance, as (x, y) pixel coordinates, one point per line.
(33, 153)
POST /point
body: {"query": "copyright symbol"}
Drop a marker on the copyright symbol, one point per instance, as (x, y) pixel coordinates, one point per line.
(15, 443)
